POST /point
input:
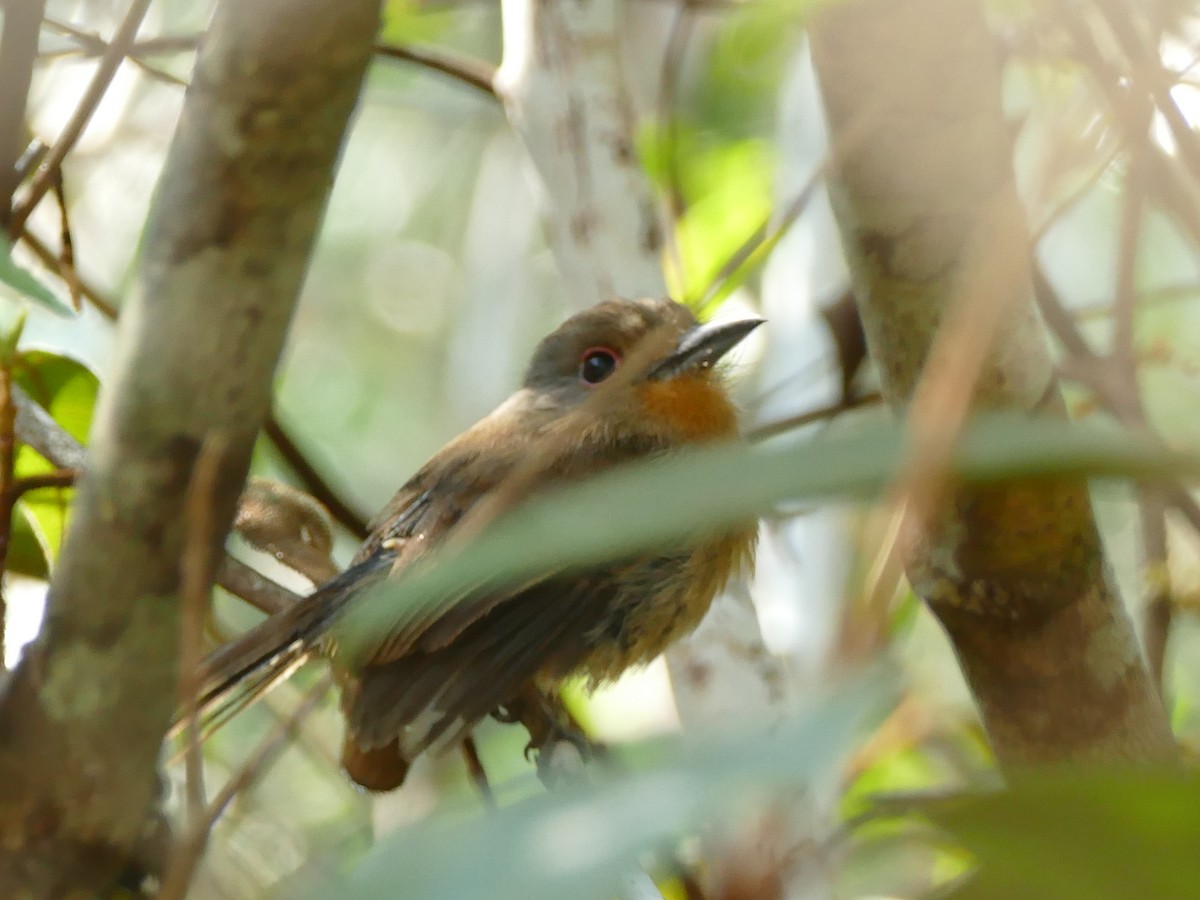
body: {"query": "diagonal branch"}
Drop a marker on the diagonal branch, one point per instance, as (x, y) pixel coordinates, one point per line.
(471, 72)
(110, 61)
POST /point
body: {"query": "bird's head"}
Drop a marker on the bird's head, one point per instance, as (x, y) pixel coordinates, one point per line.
(644, 364)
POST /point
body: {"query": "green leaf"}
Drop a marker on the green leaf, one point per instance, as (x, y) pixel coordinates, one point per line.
(64, 386)
(727, 189)
(657, 502)
(581, 841)
(26, 555)
(405, 21)
(26, 284)
(68, 391)
(10, 336)
(1101, 835)
(747, 60)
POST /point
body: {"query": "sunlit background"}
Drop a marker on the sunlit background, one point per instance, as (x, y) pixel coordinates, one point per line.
(433, 281)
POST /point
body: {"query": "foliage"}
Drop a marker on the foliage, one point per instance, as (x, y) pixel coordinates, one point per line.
(431, 284)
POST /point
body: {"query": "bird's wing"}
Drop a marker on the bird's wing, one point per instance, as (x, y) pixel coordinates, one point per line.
(242, 669)
(468, 505)
(550, 625)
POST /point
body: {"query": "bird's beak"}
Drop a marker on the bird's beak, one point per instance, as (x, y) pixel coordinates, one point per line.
(702, 346)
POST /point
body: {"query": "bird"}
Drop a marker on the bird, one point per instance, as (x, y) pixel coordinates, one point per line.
(623, 380)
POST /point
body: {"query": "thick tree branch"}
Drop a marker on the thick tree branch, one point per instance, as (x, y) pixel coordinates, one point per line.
(233, 224)
(564, 93)
(312, 480)
(930, 220)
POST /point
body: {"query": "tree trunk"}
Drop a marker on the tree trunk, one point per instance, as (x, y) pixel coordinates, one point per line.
(240, 200)
(935, 235)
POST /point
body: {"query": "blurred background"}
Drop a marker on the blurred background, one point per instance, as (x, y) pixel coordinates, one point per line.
(433, 280)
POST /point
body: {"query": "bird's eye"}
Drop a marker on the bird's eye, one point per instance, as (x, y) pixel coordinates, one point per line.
(597, 364)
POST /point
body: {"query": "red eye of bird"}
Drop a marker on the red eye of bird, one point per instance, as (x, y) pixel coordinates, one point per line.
(596, 364)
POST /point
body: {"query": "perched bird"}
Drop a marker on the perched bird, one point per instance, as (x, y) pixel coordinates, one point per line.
(626, 379)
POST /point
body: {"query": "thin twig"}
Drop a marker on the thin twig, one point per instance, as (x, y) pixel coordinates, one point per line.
(765, 237)
(37, 428)
(256, 589)
(1159, 296)
(110, 61)
(675, 200)
(1126, 401)
(1147, 69)
(1089, 368)
(18, 51)
(1156, 576)
(1081, 190)
(820, 414)
(1128, 241)
(90, 44)
(66, 256)
(313, 482)
(772, 229)
(196, 572)
(1173, 190)
(471, 72)
(56, 263)
(1057, 317)
(189, 849)
(477, 772)
(59, 478)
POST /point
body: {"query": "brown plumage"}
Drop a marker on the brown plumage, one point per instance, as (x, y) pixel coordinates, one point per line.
(622, 380)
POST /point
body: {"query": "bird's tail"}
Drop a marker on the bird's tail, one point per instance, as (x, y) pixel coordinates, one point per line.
(241, 671)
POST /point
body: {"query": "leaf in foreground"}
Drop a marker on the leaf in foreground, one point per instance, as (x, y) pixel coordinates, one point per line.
(1103, 835)
(661, 501)
(582, 842)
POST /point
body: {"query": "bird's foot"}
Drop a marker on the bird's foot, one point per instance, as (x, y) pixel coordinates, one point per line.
(561, 745)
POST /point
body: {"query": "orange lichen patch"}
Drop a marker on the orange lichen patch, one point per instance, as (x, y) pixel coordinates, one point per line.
(695, 407)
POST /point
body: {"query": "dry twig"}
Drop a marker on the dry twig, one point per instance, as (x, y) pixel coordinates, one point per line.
(107, 68)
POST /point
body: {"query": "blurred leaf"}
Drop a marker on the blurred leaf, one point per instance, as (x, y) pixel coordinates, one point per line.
(26, 284)
(68, 391)
(579, 842)
(25, 553)
(726, 187)
(1098, 835)
(738, 92)
(904, 614)
(10, 336)
(656, 502)
(715, 226)
(44, 510)
(907, 769)
(405, 21)
(64, 386)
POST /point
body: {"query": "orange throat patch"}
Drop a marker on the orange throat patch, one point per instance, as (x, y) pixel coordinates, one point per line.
(696, 407)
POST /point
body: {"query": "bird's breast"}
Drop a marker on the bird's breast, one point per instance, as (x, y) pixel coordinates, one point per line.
(657, 600)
